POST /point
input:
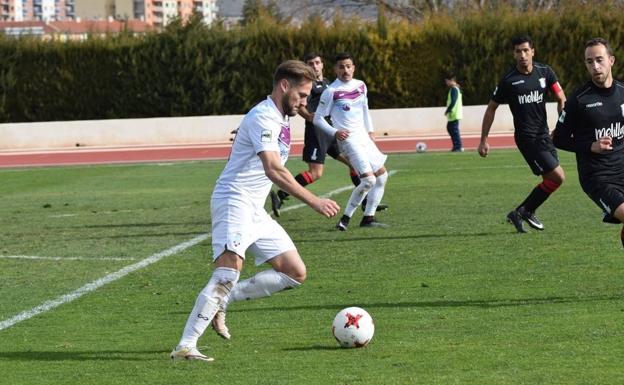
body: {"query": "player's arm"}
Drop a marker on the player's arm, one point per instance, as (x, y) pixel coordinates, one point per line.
(454, 97)
(323, 110)
(555, 88)
(486, 125)
(307, 115)
(368, 121)
(563, 136)
(280, 175)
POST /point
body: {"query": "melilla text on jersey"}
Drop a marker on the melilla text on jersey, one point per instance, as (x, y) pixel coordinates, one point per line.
(531, 97)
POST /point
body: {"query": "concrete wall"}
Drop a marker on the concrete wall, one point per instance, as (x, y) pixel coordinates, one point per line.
(413, 122)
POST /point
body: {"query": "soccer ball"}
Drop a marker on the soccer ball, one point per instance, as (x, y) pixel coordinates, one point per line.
(353, 327)
(421, 147)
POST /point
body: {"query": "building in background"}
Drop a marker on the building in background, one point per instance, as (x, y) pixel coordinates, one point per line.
(157, 13)
(32, 10)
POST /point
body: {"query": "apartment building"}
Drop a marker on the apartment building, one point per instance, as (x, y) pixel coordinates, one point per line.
(159, 13)
(44, 10)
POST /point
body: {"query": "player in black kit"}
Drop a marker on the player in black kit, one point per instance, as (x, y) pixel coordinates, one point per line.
(316, 144)
(524, 87)
(592, 126)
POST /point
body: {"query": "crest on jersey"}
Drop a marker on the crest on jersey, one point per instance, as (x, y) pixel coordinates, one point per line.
(542, 82)
(622, 108)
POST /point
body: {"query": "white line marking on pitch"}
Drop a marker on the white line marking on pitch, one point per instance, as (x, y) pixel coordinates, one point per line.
(67, 258)
(49, 305)
(92, 286)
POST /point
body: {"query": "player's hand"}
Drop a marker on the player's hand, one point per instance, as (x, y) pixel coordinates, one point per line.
(327, 207)
(484, 149)
(342, 134)
(602, 145)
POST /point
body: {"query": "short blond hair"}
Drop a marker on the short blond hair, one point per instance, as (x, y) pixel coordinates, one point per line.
(295, 71)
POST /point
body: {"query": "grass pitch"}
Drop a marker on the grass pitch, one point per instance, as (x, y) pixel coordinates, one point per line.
(457, 296)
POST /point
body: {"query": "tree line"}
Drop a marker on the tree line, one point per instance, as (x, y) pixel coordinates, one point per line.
(191, 69)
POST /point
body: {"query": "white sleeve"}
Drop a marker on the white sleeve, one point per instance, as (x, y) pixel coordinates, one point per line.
(264, 133)
(323, 110)
(368, 122)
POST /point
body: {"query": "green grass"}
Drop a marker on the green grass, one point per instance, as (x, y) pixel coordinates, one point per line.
(457, 296)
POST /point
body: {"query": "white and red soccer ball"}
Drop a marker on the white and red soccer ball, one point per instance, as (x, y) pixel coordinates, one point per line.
(353, 327)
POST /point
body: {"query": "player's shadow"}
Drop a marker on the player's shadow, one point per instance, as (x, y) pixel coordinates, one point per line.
(485, 304)
(139, 225)
(394, 237)
(313, 347)
(96, 355)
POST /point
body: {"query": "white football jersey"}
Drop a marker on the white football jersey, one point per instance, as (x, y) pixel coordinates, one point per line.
(264, 128)
(347, 104)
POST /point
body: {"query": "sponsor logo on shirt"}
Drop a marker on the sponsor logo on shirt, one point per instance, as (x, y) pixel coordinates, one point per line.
(266, 136)
(622, 108)
(531, 97)
(542, 82)
(615, 130)
(346, 107)
(516, 83)
(592, 105)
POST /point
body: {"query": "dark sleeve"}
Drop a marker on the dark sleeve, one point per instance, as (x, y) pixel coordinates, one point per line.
(551, 78)
(499, 94)
(454, 93)
(563, 136)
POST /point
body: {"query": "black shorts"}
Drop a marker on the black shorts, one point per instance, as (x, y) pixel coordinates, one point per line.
(608, 196)
(316, 144)
(539, 153)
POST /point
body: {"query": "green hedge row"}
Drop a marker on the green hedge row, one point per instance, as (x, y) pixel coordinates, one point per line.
(196, 70)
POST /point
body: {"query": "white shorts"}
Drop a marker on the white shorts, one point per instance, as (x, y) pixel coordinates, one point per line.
(237, 227)
(363, 155)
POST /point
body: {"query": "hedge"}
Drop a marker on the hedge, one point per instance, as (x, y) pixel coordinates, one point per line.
(191, 69)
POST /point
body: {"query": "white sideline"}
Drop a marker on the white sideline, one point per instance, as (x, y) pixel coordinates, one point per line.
(67, 258)
(49, 305)
(92, 286)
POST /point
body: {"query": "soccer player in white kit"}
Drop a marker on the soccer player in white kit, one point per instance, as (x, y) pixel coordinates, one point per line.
(346, 101)
(239, 221)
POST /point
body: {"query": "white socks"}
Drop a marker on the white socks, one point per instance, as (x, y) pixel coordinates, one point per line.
(375, 194)
(261, 285)
(358, 195)
(208, 301)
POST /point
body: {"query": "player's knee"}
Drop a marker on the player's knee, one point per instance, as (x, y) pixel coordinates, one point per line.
(299, 275)
(382, 179)
(368, 182)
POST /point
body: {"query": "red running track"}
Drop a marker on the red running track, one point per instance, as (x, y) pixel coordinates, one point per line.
(85, 156)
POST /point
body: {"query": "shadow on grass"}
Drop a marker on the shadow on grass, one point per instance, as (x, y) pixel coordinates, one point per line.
(395, 237)
(314, 347)
(485, 304)
(103, 355)
(140, 225)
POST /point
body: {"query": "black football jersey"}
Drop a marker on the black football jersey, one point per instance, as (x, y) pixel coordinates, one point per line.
(315, 95)
(526, 96)
(591, 113)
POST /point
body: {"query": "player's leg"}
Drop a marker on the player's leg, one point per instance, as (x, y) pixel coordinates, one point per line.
(207, 304)
(374, 198)
(543, 160)
(610, 198)
(453, 129)
(232, 233)
(288, 270)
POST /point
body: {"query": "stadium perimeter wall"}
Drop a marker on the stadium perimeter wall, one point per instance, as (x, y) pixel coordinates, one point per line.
(422, 123)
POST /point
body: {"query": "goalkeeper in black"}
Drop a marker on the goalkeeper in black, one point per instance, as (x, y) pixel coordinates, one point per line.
(524, 88)
(592, 126)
